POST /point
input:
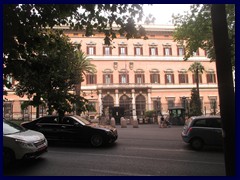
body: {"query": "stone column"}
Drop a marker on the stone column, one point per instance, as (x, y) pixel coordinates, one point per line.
(100, 102)
(133, 105)
(116, 98)
(149, 99)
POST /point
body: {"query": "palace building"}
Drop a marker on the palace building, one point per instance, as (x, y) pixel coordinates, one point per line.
(137, 75)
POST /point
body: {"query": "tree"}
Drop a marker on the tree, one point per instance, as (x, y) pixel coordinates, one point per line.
(196, 68)
(195, 104)
(30, 52)
(49, 72)
(22, 23)
(194, 30)
(85, 66)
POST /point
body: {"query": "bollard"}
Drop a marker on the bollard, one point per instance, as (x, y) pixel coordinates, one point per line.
(112, 122)
(123, 122)
(135, 124)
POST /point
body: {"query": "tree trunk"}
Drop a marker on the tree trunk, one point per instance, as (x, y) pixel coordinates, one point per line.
(225, 84)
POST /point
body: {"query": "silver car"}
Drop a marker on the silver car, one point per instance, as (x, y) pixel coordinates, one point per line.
(203, 130)
(20, 143)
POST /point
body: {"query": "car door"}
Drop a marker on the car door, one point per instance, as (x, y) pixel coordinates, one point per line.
(49, 126)
(72, 131)
(215, 131)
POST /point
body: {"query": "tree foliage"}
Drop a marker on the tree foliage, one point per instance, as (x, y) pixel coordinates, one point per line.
(195, 104)
(43, 61)
(196, 68)
(194, 30)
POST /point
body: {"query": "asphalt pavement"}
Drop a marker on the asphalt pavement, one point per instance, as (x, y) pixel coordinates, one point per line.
(144, 151)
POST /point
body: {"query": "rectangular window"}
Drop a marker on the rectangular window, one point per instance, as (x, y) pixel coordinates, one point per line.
(154, 78)
(169, 78)
(170, 103)
(107, 78)
(153, 51)
(211, 78)
(196, 53)
(107, 51)
(122, 51)
(91, 79)
(138, 51)
(183, 78)
(139, 78)
(180, 51)
(123, 78)
(195, 79)
(91, 50)
(167, 51)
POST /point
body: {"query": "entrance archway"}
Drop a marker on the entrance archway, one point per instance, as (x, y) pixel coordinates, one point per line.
(126, 104)
(140, 106)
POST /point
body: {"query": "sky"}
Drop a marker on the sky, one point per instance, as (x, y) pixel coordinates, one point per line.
(163, 12)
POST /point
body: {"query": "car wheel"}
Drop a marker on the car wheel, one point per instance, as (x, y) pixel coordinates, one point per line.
(96, 140)
(8, 157)
(196, 144)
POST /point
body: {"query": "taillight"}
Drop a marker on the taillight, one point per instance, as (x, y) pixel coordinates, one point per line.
(189, 130)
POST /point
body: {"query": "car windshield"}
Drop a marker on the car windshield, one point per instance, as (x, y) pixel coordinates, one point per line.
(11, 128)
(81, 120)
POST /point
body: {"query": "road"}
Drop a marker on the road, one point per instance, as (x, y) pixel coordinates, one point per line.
(144, 151)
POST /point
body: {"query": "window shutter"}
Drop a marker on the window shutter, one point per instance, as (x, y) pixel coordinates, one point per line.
(135, 51)
(87, 77)
(180, 79)
(178, 49)
(166, 79)
(143, 77)
(186, 78)
(88, 50)
(119, 50)
(120, 80)
(126, 52)
(94, 50)
(110, 50)
(151, 78)
(127, 78)
(170, 51)
(104, 52)
(135, 78)
(141, 51)
(164, 51)
(173, 78)
(150, 52)
(158, 78)
(156, 51)
(104, 78)
(214, 78)
(208, 78)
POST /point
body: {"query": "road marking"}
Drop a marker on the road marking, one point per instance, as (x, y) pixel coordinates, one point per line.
(117, 172)
(141, 157)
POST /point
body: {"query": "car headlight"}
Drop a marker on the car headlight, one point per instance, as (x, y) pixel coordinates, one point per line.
(24, 143)
(109, 132)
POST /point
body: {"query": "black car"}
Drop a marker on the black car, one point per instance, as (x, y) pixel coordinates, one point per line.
(73, 128)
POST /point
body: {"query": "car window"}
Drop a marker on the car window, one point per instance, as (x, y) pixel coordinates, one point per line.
(68, 120)
(11, 128)
(200, 123)
(215, 123)
(52, 120)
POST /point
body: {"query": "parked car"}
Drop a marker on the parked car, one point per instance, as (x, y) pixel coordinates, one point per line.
(203, 130)
(73, 128)
(20, 143)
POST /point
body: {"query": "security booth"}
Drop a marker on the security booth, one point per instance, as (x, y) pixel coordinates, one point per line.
(176, 115)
